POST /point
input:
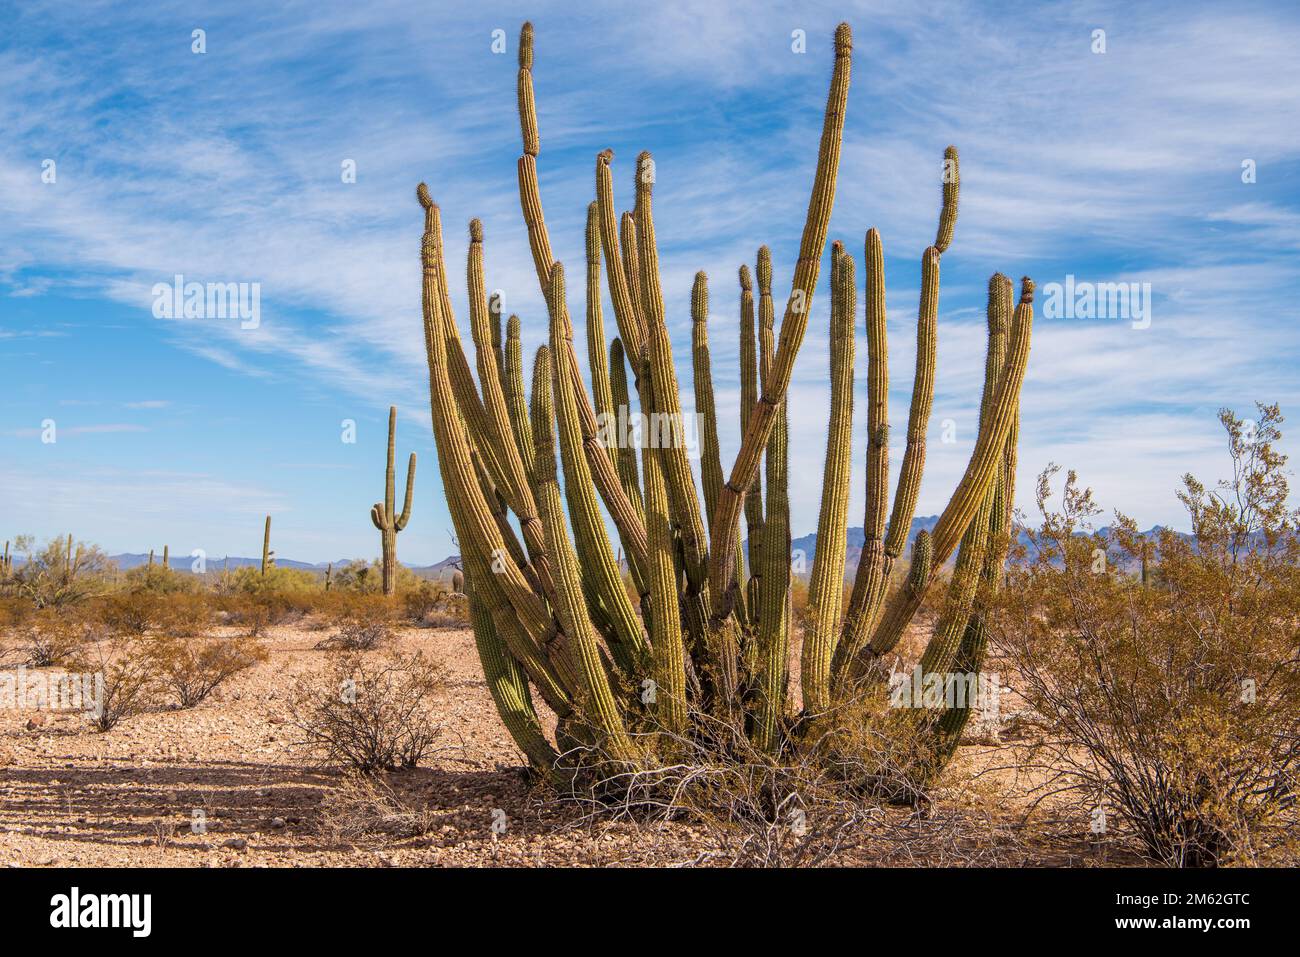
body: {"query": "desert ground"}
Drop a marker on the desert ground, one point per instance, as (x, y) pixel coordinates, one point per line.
(128, 797)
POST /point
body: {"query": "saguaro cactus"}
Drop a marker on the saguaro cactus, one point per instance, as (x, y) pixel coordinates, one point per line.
(384, 514)
(705, 643)
(6, 562)
(268, 556)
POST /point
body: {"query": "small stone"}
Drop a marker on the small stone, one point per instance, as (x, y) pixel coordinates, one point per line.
(277, 822)
(236, 843)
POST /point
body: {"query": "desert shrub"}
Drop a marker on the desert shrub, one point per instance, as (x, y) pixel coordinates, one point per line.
(249, 580)
(365, 807)
(53, 577)
(190, 669)
(184, 614)
(128, 672)
(257, 611)
(357, 575)
(423, 599)
(1177, 705)
(15, 613)
(51, 635)
(129, 612)
(361, 621)
(371, 714)
(161, 580)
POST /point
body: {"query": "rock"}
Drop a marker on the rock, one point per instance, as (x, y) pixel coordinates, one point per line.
(236, 843)
(36, 721)
(277, 822)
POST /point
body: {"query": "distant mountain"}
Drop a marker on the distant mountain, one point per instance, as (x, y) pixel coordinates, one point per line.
(182, 563)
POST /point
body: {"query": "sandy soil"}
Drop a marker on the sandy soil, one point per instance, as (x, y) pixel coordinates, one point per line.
(127, 797)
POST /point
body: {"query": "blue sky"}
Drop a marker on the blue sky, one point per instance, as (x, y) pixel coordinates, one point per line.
(1123, 166)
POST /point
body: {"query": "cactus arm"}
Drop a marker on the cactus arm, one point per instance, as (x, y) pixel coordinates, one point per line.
(869, 582)
(706, 409)
(529, 194)
(518, 490)
(679, 478)
(981, 472)
(462, 385)
(941, 650)
(748, 399)
(951, 186)
(405, 517)
(973, 567)
(498, 341)
(710, 455)
(793, 325)
(632, 272)
(826, 588)
(476, 528)
(597, 699)
(918, 420)
(627, 467)
(509, 690)
(630, 527)
(621, 292)
(389, 477)
(516, 403)
(718, 644)
(774, 582)
(629, 648)
(601, 392)
(669, 660)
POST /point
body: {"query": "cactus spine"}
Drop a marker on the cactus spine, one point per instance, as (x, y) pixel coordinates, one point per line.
(552, 615)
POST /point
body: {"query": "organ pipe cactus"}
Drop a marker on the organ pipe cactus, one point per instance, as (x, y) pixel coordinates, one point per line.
(697, 639)
(384, 514)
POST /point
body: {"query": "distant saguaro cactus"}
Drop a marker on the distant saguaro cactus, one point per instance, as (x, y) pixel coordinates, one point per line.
(384, 514)
(552, 613)
(268, 556)
(6, 562)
